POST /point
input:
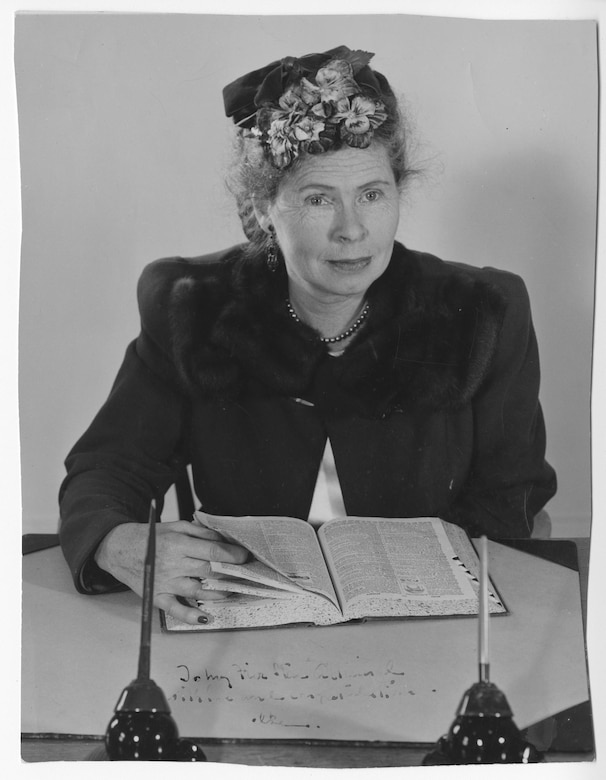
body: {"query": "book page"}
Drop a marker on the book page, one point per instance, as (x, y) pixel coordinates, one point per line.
(249, 587)
(257, 572)
(397, 567)
(286, 544)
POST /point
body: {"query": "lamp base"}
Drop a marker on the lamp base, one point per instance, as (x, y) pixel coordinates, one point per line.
(187, 750)
(483, 732)
(483, 740)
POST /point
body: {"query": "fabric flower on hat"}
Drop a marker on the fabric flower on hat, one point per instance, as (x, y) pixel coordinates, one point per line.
(334, 82)
(358, 118)
(308, 129)
(283, 144)
(292, 102)
(289, 110)
(308, 132)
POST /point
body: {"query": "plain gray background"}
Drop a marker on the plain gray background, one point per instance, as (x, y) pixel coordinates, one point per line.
(123, 144)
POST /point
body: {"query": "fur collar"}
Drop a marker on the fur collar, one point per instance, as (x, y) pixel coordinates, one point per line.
(428, 342)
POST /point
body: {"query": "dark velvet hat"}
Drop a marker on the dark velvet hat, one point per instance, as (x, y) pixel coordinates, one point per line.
(243, 97)
(310, 104)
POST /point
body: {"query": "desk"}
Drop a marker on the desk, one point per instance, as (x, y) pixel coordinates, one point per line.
(50, 747)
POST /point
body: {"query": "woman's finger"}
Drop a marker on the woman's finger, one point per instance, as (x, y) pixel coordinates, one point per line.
(197, 552)
(188, 587)
(215, 595)
(180, 611)
(208, 545)
(226, 553)
(188, 529)
(191, 588)
(195, 567)
(235, 553)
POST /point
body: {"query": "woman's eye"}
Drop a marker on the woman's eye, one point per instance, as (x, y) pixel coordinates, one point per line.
(372, 195)
(316, 200)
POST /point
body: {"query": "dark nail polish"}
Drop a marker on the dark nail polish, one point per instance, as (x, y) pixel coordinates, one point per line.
(202, 619)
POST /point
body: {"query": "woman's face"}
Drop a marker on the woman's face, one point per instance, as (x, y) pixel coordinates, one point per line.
(335, 219)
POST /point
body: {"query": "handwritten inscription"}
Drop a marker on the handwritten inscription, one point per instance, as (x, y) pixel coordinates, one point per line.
(208, 676)
(280, 685)
(270, 719)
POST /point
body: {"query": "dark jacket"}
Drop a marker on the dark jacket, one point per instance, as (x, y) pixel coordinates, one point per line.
(432, 411)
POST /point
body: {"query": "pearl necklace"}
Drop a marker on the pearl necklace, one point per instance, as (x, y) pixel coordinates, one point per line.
(333, 339)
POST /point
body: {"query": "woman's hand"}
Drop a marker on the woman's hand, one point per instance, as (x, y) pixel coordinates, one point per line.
(183, 554)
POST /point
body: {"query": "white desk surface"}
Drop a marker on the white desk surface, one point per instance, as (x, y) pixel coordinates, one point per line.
(394, 680)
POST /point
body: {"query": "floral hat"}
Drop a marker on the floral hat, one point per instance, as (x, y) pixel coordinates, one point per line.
(310, 103)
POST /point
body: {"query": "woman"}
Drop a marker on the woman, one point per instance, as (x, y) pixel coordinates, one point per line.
(322, 368)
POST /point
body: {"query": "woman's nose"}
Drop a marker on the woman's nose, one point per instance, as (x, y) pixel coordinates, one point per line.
(348, 225)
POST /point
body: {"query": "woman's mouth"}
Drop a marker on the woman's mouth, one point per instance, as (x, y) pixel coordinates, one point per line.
(350, 265)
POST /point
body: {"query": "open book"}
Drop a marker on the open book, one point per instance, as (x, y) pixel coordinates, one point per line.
(352, 568)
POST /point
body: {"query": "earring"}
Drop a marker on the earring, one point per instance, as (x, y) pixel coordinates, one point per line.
(272, 252)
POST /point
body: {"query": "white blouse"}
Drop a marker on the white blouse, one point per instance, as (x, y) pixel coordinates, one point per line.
(328, 499)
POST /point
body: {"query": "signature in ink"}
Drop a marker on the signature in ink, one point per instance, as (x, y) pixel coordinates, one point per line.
(269, 719)
(208, 676)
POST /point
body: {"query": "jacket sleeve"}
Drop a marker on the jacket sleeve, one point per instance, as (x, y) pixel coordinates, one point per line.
(510, 480)
(131, 452)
